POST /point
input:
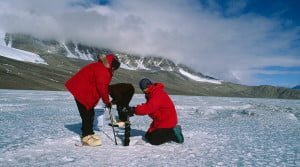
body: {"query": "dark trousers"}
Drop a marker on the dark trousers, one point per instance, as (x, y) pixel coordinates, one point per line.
(87, 117)
(122, 115)
(160, 136)
(121, 94)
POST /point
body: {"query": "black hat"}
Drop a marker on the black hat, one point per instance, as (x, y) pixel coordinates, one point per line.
(144, 83)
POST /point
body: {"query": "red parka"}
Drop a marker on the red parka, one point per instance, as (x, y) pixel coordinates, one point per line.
(159, 107)
(90, 83)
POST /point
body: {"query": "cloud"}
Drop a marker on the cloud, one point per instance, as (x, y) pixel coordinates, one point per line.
(229, 48)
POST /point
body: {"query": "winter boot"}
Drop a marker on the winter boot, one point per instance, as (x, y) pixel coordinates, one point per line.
(90, 141)
(178, 134)
(96, 137)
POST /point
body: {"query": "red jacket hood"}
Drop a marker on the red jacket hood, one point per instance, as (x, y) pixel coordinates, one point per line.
(107, 61)
(110, 58)
(154, 87)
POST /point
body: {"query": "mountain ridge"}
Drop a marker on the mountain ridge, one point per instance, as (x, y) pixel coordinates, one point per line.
(131, 62)
(62, 64)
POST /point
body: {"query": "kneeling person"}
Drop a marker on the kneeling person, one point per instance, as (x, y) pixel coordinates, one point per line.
(160, 108)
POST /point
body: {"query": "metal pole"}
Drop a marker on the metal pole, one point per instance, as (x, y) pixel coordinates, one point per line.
(111, 121)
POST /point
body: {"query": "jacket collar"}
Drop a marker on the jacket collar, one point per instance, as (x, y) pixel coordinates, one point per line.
(155, 87)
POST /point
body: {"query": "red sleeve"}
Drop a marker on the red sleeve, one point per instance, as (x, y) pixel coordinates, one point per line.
(102, 86)
(149, 107)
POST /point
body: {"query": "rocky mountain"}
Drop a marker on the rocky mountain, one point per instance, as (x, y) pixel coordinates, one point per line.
(30, 63)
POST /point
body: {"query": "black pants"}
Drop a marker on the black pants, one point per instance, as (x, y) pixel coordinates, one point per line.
(87, 117)
(121, 94)
(160, 136)
(122, 115)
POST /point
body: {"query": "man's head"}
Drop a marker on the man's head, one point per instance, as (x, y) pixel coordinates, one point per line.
(110, 61)
(115, 64)
(144, 84)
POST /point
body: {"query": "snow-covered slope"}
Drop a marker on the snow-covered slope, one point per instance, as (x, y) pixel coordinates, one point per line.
(146, 63)
(38, 128)
(79, 51)
(127, 67)
(76, 53)
(17, 54)
(69, 53)
(161, 64)
(198, 78)
(20, 55)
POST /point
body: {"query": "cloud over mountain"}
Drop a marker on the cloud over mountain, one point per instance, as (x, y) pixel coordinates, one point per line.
(230, 46)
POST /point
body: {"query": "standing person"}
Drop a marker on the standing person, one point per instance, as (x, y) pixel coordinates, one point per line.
(88, 86)
(160, 108)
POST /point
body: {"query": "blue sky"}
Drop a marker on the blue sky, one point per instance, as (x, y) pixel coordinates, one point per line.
(252, 42)
(282, 75)
(288, 12)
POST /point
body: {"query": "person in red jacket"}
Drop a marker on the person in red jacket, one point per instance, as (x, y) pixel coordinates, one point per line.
(160, 108)
(88, 86)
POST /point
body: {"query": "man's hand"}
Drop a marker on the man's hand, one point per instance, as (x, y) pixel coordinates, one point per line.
(108, 105)
(128, 111)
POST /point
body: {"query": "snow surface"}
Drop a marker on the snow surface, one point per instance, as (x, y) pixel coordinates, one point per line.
(40, 128)
(197, 78)
(18, 54)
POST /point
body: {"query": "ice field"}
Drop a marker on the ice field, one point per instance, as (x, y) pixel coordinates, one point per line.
(41, 128)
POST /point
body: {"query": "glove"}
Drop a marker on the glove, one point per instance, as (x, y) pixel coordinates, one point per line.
(108, 105)
(128, 111)
(113, 101)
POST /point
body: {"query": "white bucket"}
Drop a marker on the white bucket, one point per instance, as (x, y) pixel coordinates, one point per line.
(99, 119)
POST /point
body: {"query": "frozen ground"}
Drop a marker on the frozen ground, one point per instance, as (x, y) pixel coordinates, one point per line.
(40, 128)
